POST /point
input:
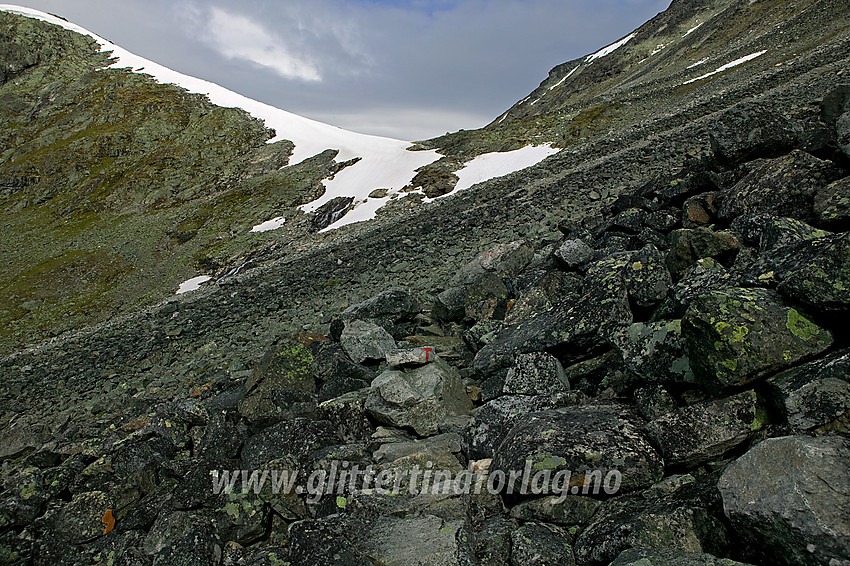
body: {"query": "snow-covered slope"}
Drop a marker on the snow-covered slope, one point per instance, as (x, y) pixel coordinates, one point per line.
(385, 163)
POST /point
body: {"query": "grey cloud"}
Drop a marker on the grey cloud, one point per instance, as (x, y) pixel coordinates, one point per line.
(384, 67)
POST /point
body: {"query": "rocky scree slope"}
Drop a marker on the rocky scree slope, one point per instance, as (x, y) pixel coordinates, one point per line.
(115, 418)
(690, 338)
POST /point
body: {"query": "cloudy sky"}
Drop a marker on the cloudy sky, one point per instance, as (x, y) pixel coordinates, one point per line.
(410, 69)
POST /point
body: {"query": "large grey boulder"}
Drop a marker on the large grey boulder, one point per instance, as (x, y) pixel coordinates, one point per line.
(363, 341)
(677, 513)
(389, 309)
(420, 398)
(699, 433)
(790, 498)
(667, 557)
(816, 394)
(581, 443)
(654, 352)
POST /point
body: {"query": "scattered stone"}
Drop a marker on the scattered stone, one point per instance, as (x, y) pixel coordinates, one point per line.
(572, 254)
(364, 341)
(536, 544)
(347, 415)
(700, 433)
(288, 441)
(820, 274)
(536, 373)
(689, 245)
(654, 352)
(789, 498)
(419, 398)
(832, 205)
(736, 336)
(283, 386)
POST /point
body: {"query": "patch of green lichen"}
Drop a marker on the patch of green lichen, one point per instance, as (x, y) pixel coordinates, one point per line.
(800, 326)
(547, 462)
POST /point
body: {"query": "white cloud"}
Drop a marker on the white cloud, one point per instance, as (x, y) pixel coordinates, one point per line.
(238, 37)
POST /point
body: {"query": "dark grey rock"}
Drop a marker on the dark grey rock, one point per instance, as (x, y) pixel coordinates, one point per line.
(815, 394)
(536, 544)
(654, 352)
(673, 515)
(832, 205)
(689, 245)
(580, 440)
(653, 401)
(536, 373)
(699, 433)
(389, 309)
(573, 510)
(667, 557)
(493, 420)
(290, 441)
(789, 498)
(749, 130)
(184, 537)
(785, 186)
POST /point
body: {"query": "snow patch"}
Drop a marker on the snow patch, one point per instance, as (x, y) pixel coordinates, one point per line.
(610, 49)
(269, 225)
(728, 66)
(192, 284)
(491, 165)
(692, 30)
(698, 63)
(568, 75)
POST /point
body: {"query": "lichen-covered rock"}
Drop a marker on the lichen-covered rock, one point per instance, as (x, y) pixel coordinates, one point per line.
(784, 186)
(667, 557)
(184, 538)
(789, 498)
(364, 341)
(413, 541)
(573, 510)
(689, 245)
(324, 542)
(420, 398)
(283, 386)
(580, 441)
(572, 254)
(832, 205)
(537, 544)
(486, 298)
(654, 352)
(736, 336)
(647, 278)
(392, 451)
(653, 401)
(699, 433)
(493, 420)
(290, 441)
(679, 517)
(815, 394)
(347, 414)
(80, 521)
(536, 373)
(335, 372)
(820, 275)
